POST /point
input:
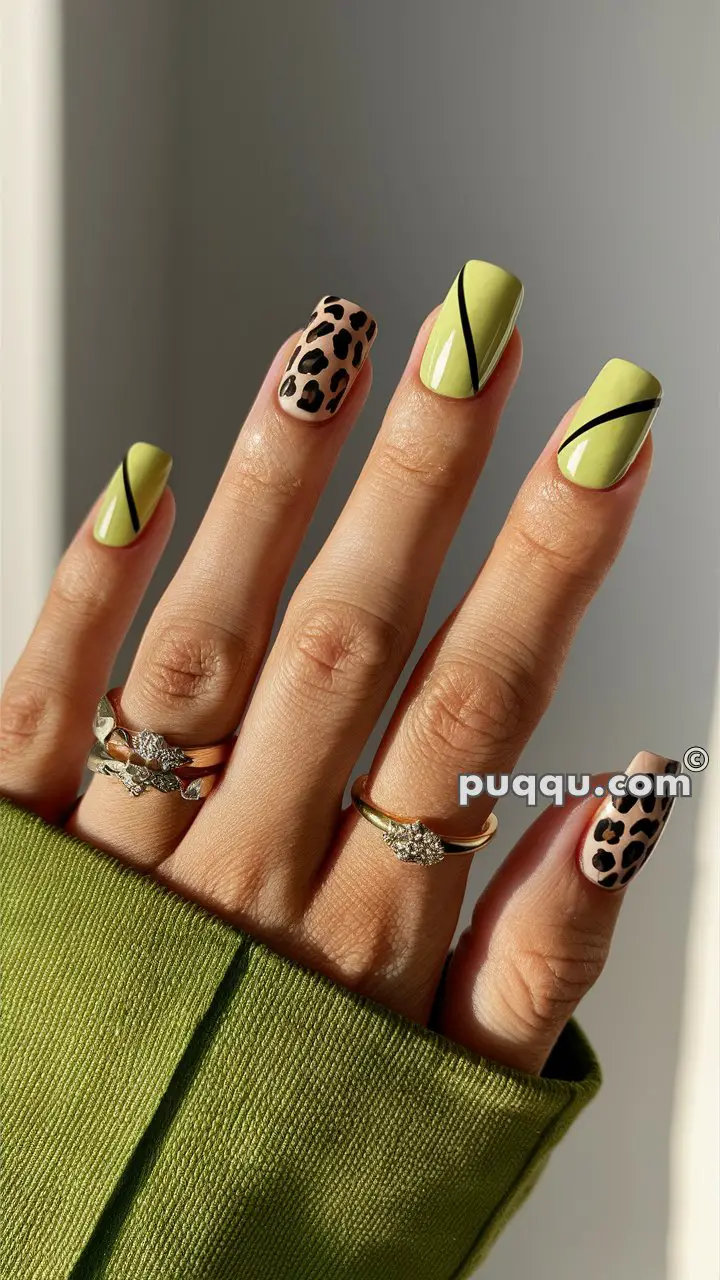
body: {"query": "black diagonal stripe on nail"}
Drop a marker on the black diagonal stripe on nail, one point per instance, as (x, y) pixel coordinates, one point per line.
(134, 517)
(467, 333)
(637, 406)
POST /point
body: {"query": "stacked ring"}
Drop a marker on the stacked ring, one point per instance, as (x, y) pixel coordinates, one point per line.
(144, 759)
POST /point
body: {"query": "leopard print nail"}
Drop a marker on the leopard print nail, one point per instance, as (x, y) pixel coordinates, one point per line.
(626, 829)
(327, 359)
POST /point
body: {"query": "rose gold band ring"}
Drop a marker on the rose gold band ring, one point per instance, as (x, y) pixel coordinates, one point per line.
(144, 759)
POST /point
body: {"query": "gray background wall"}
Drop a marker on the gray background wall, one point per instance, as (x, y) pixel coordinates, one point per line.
(225, 164)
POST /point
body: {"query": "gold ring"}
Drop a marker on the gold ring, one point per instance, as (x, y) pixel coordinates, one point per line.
(409, 839)
(145, 759)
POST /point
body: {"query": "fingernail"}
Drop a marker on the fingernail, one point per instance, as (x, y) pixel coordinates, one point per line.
(606, 433)
(472, 330)
(327, 359)
(132, 495)
(625, 829)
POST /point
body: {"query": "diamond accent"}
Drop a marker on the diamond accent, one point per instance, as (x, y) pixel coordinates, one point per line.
(164, 781)
(135, 777)
(152, 747)
(104, 721)
(414, 842)
(192, 790)
(138, 778)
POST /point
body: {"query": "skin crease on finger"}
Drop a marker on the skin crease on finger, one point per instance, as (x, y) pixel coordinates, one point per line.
(348, 630)
(572, 542)
(539, 938)
(207, 637)
(378, 926)
(374, 924)
(93, 598)
(411, 765)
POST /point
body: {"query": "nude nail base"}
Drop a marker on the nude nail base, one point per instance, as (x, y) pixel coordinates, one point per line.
(625, 830)
(327, 360)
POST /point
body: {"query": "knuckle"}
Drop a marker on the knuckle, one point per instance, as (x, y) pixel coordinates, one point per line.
(362, 961)
(342, 648)
(416, 460)
(241, 887)
(473, 708)
(258, 478)
(374, 953)
(79, 587)
(544, 536)
(545, 983)
(190, 661)
(369, 958)
(29, 710)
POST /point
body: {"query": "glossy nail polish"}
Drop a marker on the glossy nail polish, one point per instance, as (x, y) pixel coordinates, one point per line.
(607, 432)
(471, 331)
(626, 829)
(327, 359)
(132, 495)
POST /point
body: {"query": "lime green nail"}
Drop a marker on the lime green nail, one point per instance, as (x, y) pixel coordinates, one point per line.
(607, 432)
(132, 495)
(472, 330)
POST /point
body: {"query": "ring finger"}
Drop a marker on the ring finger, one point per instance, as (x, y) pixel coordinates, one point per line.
(207, 637)
(485, 681)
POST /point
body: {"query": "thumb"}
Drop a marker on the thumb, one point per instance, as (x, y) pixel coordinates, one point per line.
(541, 932)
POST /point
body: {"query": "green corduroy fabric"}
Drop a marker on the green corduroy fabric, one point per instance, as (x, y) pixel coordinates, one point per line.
(180, 1102)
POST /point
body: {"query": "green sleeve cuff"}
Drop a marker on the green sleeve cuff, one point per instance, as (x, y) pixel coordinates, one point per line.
(182, 1102)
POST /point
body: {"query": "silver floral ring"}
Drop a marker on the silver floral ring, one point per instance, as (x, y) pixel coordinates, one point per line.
(143, 760)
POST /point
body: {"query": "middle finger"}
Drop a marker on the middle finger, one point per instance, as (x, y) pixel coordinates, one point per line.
(354, 619)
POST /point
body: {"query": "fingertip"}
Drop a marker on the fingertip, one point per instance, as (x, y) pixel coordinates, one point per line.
(162, 521)
(150, 540)
(604, 436)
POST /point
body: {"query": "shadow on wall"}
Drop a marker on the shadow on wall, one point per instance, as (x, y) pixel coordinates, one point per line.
(222, 172)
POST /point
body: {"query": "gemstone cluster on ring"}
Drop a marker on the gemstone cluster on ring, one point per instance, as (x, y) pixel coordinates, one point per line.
(154, 763)
(414, 842)
(154, 750)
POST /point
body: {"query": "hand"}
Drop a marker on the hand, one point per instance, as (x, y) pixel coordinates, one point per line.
(271, 849)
